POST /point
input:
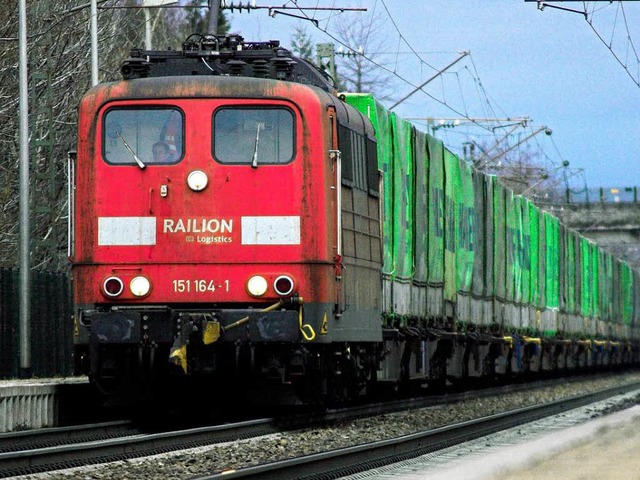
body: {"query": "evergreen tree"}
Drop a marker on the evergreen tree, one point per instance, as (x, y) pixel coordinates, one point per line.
(198, 19)
(302, 44)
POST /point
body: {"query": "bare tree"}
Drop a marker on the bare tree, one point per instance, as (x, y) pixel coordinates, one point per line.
(358, 68)
(523, 170)
(59, 74)
(57, 63)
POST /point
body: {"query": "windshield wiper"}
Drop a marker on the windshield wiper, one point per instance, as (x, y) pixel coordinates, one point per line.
(133, 154)
(254, 161)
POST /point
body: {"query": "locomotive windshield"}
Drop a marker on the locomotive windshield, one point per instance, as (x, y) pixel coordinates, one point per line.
(253, 136)
(142, 136)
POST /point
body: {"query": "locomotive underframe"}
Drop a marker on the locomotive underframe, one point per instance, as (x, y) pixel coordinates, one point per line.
(120, 347)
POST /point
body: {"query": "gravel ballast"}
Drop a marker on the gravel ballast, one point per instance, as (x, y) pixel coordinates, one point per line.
(239, 454)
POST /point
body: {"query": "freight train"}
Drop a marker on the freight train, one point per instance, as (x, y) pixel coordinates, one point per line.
(235, 221)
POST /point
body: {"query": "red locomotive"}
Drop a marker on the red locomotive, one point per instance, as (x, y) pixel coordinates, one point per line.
(207, 234)
(236, 222)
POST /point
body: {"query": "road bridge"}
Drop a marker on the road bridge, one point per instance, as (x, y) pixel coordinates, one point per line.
(610, 217)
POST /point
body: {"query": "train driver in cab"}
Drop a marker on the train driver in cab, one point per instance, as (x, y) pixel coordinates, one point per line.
(161, 152)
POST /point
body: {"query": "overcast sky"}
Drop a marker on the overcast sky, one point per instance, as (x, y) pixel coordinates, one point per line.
(549, 66)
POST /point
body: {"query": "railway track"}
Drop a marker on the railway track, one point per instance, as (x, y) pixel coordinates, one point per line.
(101, 443)
(351, 460)
(54, 449)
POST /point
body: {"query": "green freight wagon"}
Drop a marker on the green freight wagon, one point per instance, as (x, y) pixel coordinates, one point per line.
(480, 279)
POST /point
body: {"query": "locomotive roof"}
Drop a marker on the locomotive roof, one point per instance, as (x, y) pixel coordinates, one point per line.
(238, 69)
(225, 55)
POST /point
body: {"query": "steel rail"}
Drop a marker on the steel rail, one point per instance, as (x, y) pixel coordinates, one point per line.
(48, 437)
(351, 460)
(24, 462)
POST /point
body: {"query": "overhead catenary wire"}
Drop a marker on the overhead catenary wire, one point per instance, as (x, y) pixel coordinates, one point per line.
(589, 11)
(390, 71)
(489, 105)
(630, 45)
(400, 77)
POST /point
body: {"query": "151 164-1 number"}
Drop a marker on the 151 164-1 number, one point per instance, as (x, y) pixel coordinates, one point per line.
(199, 286)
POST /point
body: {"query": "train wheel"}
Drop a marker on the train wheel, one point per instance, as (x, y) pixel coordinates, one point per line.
(438, 373)
(111, 375)
(370, 378)
(343, 385)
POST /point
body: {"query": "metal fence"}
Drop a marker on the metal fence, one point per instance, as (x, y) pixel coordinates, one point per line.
(602, 195)
(51, 327)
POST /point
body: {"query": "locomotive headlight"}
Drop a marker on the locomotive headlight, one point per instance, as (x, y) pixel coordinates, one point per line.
(283, 285)
(197, 180)
(257, 286)
(140, 286)
(112, 287)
